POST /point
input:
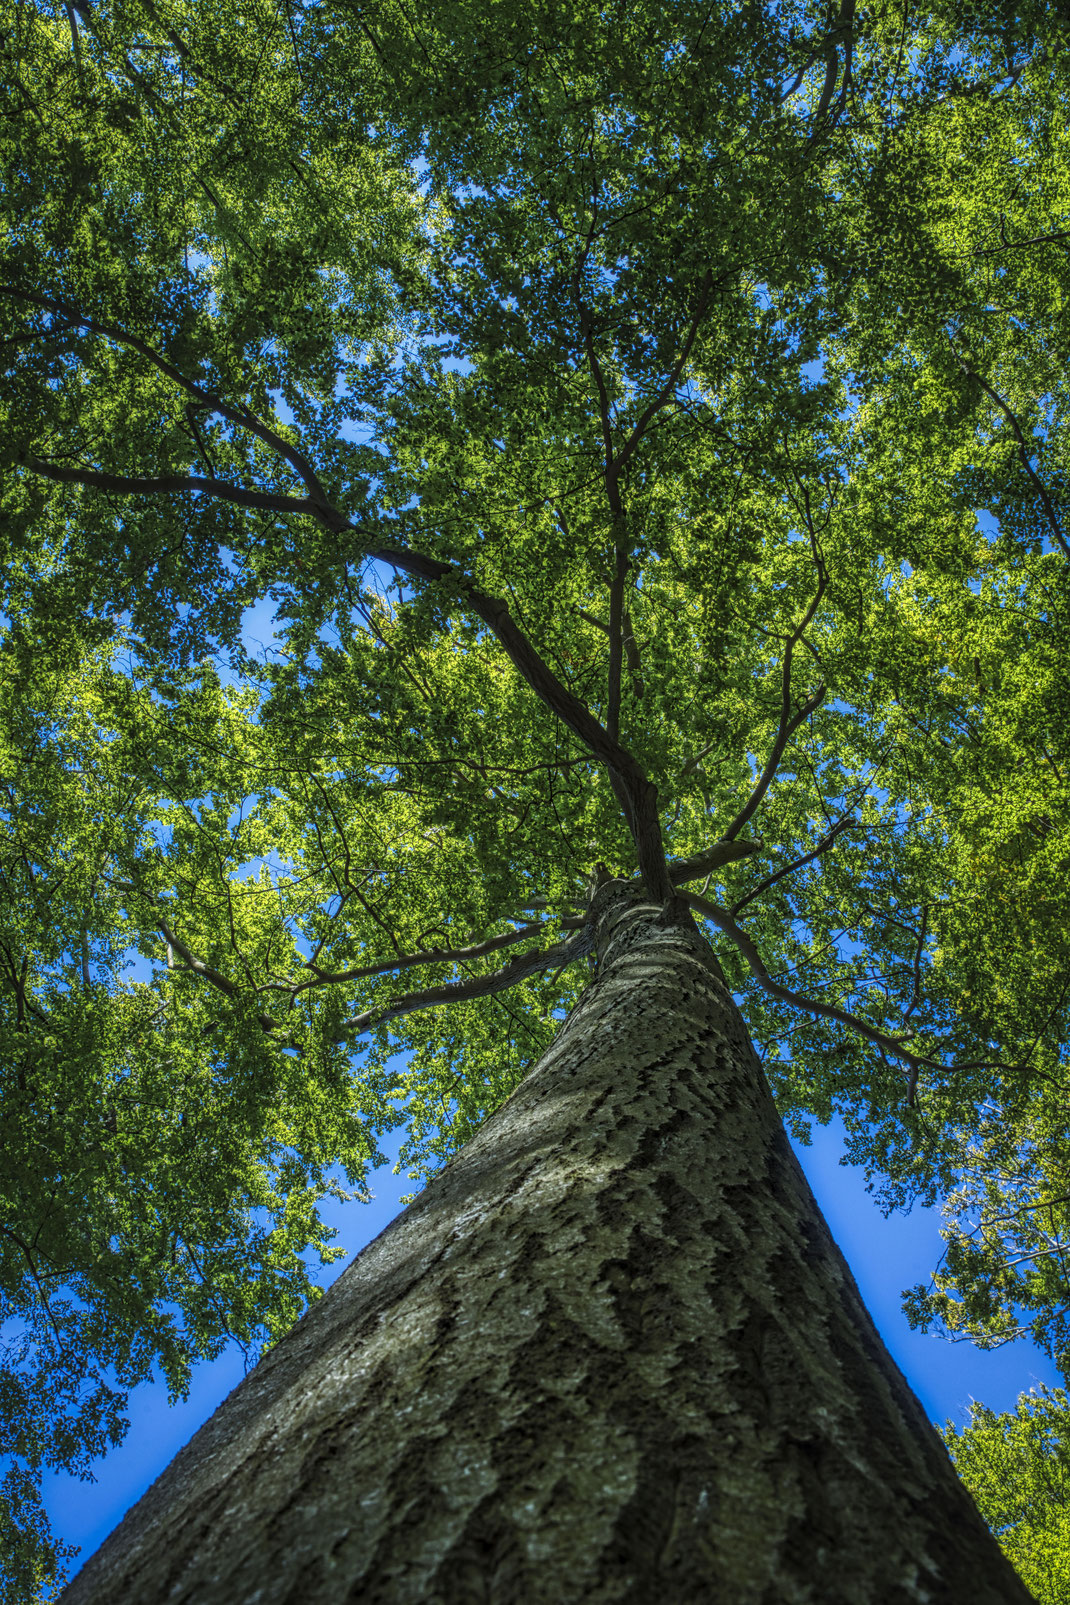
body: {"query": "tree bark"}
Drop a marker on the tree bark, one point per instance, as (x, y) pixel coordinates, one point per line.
(611, 1353)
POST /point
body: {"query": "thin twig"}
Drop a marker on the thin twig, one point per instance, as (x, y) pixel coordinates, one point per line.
(1023, 452)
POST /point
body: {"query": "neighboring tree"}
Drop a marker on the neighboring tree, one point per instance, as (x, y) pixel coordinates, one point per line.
(1004, 1273)
(1017, 1466)
(602, 398)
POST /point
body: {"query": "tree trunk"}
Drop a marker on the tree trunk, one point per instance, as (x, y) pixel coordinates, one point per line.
(611, 1353)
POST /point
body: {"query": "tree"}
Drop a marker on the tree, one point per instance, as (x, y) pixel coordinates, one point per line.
(1017, 1466)
(551, 374)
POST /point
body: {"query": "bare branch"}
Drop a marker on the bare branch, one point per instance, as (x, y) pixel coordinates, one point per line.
(169, 485)
(788, 727)
(433, 955)
(518, 969)
(691, 764)
(789, 722)
(682, 870)
(829, 1011)
(848, 822)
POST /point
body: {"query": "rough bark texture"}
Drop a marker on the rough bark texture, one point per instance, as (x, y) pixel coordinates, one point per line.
(610, 1354)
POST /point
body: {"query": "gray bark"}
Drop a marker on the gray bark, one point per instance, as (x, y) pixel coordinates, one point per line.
(611, 1353)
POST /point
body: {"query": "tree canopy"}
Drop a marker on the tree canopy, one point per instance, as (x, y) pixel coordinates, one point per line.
(646, 424)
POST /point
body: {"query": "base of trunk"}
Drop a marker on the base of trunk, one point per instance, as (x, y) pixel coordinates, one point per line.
(610, 1354)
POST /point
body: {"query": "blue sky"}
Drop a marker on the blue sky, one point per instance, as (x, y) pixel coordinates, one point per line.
(885, 1255)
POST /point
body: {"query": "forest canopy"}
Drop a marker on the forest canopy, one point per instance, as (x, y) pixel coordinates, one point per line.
(645, 425)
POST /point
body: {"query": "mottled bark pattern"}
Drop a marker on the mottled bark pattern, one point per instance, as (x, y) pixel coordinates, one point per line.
(610, 1354)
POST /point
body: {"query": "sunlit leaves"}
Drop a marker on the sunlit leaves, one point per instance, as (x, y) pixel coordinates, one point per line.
(682, 335)
(1017, 1466)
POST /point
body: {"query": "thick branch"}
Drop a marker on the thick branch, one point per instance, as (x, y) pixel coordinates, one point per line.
(640, 795)
(682, 870)
(916, 994)
(480, 986)
(520, 650)
(848, 822)
(197, 966)
(240, 416)
(169, 485)
(76, 45)
(842, 31)
(228, 988)
(517, 969)
(631, 656)
(636, 793)
(616, 628)
(433, 955)
(724, 922)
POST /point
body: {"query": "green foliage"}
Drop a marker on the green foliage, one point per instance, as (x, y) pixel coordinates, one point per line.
(160, 1180)
(1017, 1467)
(602, 400)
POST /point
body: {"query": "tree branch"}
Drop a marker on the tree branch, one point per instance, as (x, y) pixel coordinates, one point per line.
(788, 727)
(829, 1011)
(434, 955)
(41, 1293)
(701, 864)
(76, 45)
(665, 394)
(789, 722)
(1023, 452)
(228, 988)
(631, 656)
(616, 628)
(844, 27)
(241, 416)
(1055, 238)
(916, 995)
(480, 986)
(637, 794)
(169, 485)
(848, 822)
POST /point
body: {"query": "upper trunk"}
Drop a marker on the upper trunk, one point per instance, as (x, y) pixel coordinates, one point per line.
(611, 1353)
